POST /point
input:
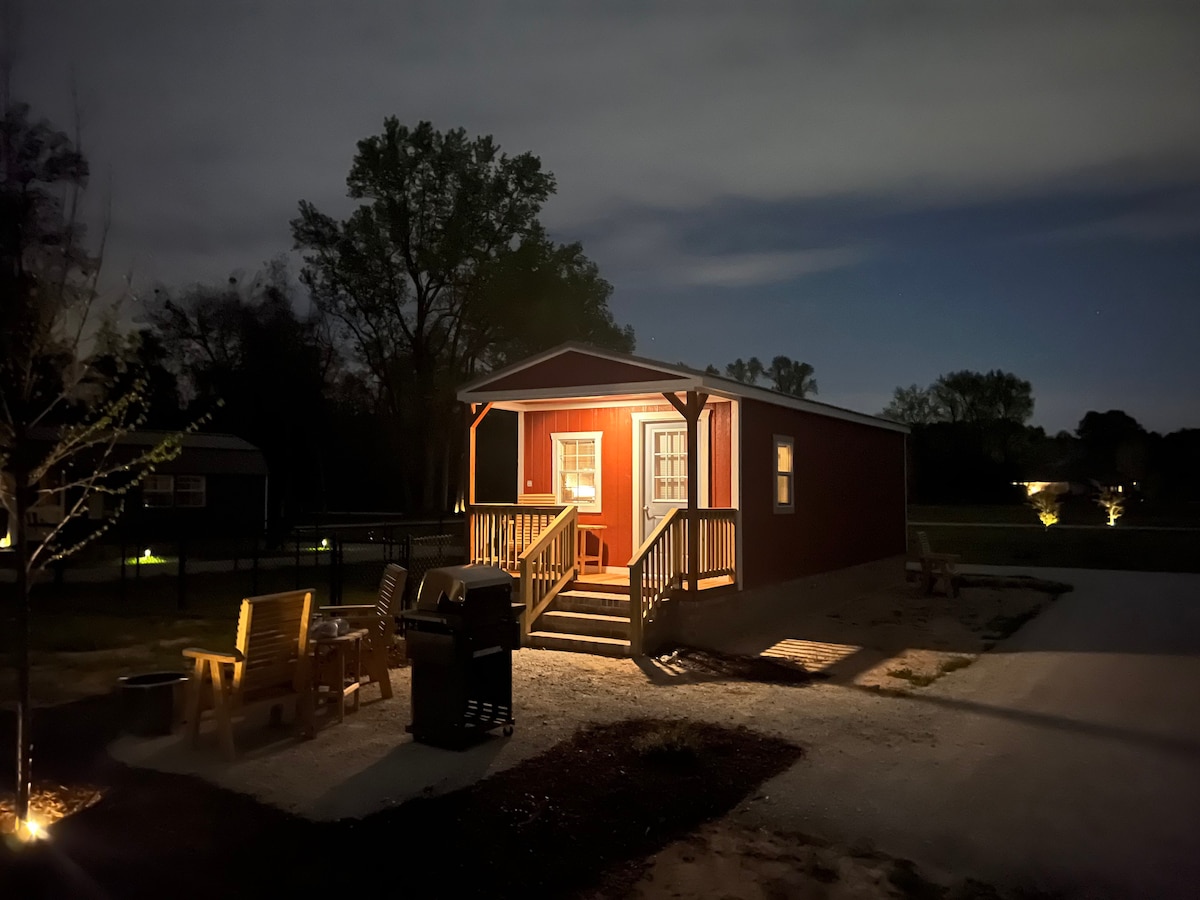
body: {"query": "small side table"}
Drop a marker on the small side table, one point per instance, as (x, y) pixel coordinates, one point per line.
(584, 556)
(329, 660)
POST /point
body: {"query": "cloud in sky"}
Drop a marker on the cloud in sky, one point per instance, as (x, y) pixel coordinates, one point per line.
(887, 190)
(218, 107)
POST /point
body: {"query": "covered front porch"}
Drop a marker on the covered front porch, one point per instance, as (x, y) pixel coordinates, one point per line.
(626, 490)
(615, 611)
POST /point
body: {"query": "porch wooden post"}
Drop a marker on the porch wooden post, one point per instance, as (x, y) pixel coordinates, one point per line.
(474, 417)
(691, 413)
(471, 450)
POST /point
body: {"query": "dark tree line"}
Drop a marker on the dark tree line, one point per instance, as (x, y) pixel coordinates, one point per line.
(784, 374)
(971, 440)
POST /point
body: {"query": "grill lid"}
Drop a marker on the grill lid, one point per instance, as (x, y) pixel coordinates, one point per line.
(449, 588)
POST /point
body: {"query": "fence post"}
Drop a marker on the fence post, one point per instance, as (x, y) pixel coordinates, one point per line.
(254, 565)
(297, 560)
(123, 558)
(335, 575)
(182, 600)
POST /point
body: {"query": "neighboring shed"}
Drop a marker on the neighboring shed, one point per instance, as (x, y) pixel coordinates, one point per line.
(216, 486)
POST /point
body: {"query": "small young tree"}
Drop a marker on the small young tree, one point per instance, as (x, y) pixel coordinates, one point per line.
(1047, 504)
(68, 394)
(1112, 501)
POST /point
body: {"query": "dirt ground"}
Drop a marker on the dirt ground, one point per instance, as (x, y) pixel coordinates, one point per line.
(895, 637)
(368, 770)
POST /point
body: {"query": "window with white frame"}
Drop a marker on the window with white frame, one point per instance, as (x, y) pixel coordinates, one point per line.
(577, 469)
(190, 490)
(158, 491)
(785, 475)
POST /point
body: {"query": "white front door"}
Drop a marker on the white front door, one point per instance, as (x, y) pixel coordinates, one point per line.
(664, 471)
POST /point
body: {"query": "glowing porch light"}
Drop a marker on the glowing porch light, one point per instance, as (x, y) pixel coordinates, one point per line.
(146, 554)
(324, 543)
(5, 542)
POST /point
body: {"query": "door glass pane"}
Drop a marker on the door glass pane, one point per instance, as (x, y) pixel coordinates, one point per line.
(669, 466)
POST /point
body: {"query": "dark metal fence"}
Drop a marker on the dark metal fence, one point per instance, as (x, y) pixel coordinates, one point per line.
(335, 558)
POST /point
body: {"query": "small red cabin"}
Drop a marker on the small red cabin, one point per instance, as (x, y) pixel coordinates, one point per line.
(640, 485)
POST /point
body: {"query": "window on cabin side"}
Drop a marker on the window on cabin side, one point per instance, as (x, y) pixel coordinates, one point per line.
(785, 476)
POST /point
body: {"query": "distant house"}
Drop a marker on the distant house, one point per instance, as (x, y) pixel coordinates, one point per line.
(640, 485)
(217, 485)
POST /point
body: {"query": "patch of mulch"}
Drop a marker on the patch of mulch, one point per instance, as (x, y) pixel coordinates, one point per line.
(729, 666)
(587, 812)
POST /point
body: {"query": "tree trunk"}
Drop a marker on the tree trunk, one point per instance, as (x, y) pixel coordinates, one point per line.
(24, 692)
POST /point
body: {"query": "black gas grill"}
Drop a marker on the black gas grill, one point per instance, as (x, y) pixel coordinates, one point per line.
(460, 640)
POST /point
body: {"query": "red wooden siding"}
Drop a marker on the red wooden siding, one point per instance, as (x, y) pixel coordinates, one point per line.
(849, 490)
(574, 369)
(616, 464)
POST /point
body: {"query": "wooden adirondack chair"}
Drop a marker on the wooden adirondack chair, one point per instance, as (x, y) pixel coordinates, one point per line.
(379, 619)
(269, 662)
(937, 565)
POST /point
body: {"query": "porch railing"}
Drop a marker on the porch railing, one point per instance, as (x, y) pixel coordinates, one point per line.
(547, 566)
(654, 571)
(718, 542)
(501, 532)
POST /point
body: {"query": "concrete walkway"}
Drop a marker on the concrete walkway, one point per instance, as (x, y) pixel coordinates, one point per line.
(1067, 759)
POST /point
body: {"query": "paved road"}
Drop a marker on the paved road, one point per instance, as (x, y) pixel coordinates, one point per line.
(1067, 759)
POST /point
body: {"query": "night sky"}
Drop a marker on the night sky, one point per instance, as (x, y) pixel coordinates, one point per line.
(887, 191)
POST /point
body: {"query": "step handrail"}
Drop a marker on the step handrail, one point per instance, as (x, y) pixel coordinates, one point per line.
(547, 565)
(654, 571)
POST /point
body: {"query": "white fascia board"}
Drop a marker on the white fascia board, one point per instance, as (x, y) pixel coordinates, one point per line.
(582, 392)
(750, 392)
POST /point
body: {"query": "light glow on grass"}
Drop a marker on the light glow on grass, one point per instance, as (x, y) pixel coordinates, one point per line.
(144, 560)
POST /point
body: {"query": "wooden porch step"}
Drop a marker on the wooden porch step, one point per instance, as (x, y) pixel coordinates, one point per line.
(611, 588)
(592, 602)
(585, 624)
(577, 643)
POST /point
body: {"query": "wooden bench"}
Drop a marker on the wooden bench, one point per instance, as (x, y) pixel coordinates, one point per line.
(269, 662)
(937, 565)
(379, 620)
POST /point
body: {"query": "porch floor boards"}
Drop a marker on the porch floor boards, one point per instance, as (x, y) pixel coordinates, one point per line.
(615, 579)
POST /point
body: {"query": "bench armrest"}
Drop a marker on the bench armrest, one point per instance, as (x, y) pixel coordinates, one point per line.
(942, 557)
(228, 658)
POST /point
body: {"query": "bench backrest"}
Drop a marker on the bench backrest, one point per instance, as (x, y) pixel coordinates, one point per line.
(272, 639)
(923, 539)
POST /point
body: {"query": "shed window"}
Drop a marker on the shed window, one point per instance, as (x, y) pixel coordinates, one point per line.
(785, 476)
(577, 469)
(158, 491)
(190, 490)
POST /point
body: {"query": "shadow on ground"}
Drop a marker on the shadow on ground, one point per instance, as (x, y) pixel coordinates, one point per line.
(585, 813)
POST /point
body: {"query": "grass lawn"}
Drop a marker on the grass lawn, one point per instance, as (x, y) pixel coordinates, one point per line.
(1093, 548)
(1075, 511)
(99, 632)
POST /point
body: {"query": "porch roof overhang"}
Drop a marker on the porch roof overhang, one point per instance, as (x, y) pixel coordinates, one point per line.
(538, 383)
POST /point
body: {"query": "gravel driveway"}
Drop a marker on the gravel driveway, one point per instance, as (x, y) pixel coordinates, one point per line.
(1068, 758)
